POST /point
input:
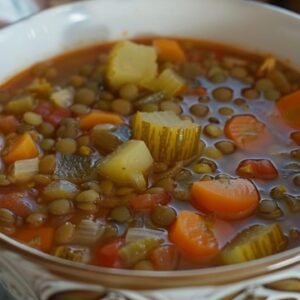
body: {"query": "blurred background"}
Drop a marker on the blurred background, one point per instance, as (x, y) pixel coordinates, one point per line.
(13, 10)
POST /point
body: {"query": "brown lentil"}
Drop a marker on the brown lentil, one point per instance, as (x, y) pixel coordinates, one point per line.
(199, 110)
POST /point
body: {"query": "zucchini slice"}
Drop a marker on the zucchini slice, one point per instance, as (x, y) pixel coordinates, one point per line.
(168, 137)
(255, 242)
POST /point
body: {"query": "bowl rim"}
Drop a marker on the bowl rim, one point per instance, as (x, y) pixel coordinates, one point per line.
(261, 266)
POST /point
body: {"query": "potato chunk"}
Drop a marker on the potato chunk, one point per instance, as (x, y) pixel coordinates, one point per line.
(127, 165)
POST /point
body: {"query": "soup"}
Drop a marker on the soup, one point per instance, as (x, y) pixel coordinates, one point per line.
(157, 154)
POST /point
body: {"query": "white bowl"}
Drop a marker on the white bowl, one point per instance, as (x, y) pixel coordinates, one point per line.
(29, 274)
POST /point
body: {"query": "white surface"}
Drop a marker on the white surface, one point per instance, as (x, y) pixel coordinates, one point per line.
(235, 22)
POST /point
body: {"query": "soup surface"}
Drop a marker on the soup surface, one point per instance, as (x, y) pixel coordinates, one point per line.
(157, 154)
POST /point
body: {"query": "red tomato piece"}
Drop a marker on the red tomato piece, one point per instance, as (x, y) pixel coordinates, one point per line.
(257, 168)
(57, 115)
(44, 108)
(147, 202)
(8, 124)
(108, 255)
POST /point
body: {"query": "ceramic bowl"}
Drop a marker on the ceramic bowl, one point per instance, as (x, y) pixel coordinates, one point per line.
(29, 274)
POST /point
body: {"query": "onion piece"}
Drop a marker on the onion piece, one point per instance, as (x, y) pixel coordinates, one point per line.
(88, 232)
(134, 234)
(25, 169)
(63, 97)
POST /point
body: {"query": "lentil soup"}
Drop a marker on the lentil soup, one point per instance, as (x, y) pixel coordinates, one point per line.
(158, 154)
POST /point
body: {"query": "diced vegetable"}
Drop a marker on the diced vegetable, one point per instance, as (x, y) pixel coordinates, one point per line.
(57, 115)
(168, 137)
(8, 124)
(255, 242)
(75, 167)
(257, 168)
(127, 165)
(227, 198)
(169, 50)
(25, 169)
(247, 132)
(267, 66)
(23, 147)
(99, 117)
(63, 97)
(88, 232)
(20, 202)
(135, 234)
(131, 63)
(165, 258)
(147, 202)
(61, 189)
(74, 253)
(40, 87)
(138, 250)
(40, 238)
(167, 82)
(108, 255)
(289, 107)
(193, 237)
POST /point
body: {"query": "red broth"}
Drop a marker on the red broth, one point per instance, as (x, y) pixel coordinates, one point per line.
(54, 198)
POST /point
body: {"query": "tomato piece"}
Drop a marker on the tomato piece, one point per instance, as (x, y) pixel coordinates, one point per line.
(57, 115)
(146, 202)
(21, 203)
(257, 168)
(108, 255)
(8, 124)
(165, 258)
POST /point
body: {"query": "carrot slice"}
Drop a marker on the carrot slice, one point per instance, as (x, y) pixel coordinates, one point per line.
(257, 168)
(289, 108)
(193, 237)
(40, 238)
(99, 117)
(169, 50)
(247, 132)
(226, 198)
(22, 148)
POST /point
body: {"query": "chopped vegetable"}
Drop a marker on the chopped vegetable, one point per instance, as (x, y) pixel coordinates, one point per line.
(257, 168)
(289, 107)
(94, 118)
(25, 169)
(23, 147)
(61, 189)
(169, 138)
(20, 105)
(108, 255)
(255, 242)
(167, 82)
(147, 202)
(8, 124)
(63, 97)
(267, 66)
(169, 50)
(165, 258)
(192, 237)
(88, 232)
(20, 202)
(40, 238)
(127, 165)
(247, 132)
(135, 234)
(131, 63)
(139, 250)
(57, 115)
(75, 167)
(227, 198)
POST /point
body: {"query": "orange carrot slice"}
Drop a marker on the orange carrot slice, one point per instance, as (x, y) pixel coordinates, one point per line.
(169, 50)
(99, 117)
(193, 237)
(247, 132)
(22, 148)
(226, 198)
(289, 108)
(40, 238)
